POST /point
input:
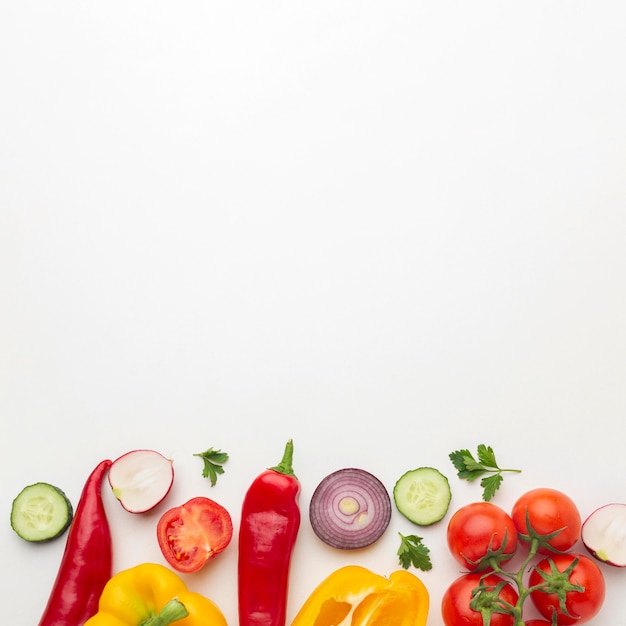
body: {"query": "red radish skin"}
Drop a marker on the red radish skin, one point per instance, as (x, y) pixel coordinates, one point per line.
(604, 534)
(141, 479)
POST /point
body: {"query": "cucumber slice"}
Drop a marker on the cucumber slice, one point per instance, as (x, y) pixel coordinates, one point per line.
(41, 512)
(422, 495)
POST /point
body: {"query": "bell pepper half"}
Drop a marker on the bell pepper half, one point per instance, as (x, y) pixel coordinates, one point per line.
(153, 595)
(356, 596)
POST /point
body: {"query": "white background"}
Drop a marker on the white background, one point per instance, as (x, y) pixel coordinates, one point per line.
(386, 230)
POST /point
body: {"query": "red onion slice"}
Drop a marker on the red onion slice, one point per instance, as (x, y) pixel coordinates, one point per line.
(350, 509)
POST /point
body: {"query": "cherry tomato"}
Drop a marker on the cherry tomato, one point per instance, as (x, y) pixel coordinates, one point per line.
(194, 533)
(537, 622)
(455, 603)
(477, 528)
(581, 605)
(548, 511)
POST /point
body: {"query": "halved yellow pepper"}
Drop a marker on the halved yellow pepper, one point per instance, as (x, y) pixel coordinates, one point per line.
(356, 596)
(153, 595)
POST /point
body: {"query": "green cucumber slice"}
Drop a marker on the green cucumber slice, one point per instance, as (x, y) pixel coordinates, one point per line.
(41, 512)
(422, 495)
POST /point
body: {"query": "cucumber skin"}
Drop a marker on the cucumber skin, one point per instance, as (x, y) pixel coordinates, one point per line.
(15, 523)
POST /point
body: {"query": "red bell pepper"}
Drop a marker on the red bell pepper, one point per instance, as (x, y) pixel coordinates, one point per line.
(270, 520)
(86, 565)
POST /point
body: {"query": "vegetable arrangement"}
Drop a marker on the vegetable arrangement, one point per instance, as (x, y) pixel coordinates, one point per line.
(565, 587)
(350, 509)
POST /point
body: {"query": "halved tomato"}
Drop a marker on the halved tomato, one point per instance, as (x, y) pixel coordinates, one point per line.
(194, 533)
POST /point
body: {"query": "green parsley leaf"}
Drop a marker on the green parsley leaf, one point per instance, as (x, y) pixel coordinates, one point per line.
(491, 484)
(213, 461)
(412, 551)
(483, 465)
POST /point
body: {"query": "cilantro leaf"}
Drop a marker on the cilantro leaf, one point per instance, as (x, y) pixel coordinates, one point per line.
(213, 461)
(412, 551)
(483, 466)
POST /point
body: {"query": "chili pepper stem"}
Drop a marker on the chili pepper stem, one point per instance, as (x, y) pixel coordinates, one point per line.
(286, 464)
(173, 611)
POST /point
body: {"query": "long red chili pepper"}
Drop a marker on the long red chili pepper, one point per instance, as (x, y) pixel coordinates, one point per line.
(270, 520)
(86, 565)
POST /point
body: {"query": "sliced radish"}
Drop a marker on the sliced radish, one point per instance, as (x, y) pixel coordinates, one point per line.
(350, 509)
(604, 534)
(141, 479)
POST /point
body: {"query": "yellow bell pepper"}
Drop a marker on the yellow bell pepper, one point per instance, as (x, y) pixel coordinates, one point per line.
(356, 596)
(153, 595)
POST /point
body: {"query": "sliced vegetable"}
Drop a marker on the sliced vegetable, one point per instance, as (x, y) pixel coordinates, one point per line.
(87, 561)
(152, 595)
(356, 595)
(141, 479)
(41, 512)
(350, 508)
(422, 495)
(213, 461)
(193, 534)
(604, 534)
(270, 520)
(484, 466)
(412, 551)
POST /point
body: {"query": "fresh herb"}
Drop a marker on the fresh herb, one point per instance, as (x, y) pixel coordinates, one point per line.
(412, 551)
(484, 465)
(213, 461)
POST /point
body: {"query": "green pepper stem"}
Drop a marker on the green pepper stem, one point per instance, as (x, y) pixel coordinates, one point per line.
(286, 464)
(173, 611)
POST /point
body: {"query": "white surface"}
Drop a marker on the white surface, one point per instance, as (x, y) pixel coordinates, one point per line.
(387, 230)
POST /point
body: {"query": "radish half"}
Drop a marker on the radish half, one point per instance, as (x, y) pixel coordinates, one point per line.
(604, 534)
(141, 479)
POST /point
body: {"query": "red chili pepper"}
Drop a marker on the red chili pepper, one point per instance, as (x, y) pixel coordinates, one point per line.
(270, 520)
(86, 565)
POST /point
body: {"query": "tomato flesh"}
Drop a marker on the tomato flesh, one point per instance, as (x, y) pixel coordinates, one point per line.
(581, 605)
(192, 534)
(548, 511)
(478, 528)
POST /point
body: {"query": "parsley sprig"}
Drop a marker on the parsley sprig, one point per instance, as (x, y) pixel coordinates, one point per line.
(213, 461)
(412, 551)
(483, 466)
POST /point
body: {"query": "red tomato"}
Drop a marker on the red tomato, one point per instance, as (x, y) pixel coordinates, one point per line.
(581, 605)
(537, 622)
(548, 511)
(477, 528)
(194, 533)
(455, 603)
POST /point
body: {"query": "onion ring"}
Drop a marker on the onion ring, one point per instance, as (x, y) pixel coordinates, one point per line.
(350, 509)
